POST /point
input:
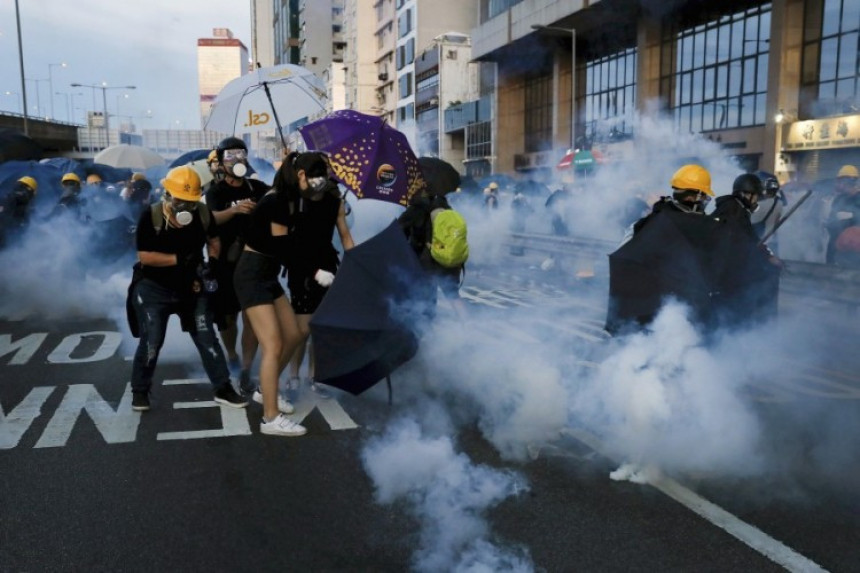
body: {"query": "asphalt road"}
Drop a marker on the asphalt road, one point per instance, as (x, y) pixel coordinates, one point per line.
(87, 484)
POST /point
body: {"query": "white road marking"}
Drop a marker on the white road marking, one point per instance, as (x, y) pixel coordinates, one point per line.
(334, 414)
(756, 539)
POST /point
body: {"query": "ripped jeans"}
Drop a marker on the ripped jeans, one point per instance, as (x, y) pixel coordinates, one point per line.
(154, 304)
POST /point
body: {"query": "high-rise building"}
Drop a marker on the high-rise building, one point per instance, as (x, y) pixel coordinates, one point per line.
(386, 43)
(219, 59)
(286, 27)
(263, 33)
(359, 56)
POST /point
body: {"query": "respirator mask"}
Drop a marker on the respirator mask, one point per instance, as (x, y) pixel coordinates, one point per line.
(183, 211)
(234, 162)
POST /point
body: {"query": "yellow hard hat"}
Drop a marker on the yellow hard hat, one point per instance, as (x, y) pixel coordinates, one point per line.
(71, 177)
(29, 182)
(213, 156)
(494, 185)
(138, 176)
(848, 171)
(692, 178)
(183, 183)
(93, 178)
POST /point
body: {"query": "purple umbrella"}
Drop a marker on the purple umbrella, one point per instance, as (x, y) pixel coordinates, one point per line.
(370, 157)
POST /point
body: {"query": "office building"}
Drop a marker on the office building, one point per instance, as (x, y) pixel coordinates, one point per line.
(219, 59)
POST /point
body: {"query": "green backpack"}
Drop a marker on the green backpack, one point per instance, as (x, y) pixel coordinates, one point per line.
(449, 245)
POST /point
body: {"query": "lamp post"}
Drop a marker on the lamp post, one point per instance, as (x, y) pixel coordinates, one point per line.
(51, 82)
(572, 32)
(38, 81)
(104, 89)
(21, 69)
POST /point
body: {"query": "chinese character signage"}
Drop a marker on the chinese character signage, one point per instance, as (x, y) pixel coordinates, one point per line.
(823, 133)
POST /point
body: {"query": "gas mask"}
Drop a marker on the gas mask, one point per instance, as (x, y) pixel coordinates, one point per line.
(235, 162)
(183, 211)
(22, 195)
(316, 187)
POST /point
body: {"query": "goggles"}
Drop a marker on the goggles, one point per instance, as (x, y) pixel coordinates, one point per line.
(233, 155)
(180, 205)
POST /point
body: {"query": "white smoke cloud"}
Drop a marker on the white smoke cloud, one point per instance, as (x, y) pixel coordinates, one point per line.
(448, 494)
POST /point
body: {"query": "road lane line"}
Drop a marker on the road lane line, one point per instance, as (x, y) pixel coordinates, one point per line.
(753, 537)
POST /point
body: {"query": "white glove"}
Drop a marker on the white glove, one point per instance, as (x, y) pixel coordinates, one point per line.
(324, 278)
(844, 215)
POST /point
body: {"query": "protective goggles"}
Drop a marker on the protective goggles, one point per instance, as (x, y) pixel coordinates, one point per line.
(234, 155)
(179, 205)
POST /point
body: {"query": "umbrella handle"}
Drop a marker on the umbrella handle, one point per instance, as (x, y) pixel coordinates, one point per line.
(275, 113)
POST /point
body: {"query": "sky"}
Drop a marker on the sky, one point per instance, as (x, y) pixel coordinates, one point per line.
(151, 45)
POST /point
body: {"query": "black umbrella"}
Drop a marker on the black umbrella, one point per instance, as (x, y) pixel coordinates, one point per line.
(441, 177)
(671, 256)
(361, 330)
(14, 145)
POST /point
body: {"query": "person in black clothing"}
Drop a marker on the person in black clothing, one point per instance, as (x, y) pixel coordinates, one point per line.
(748, 272)
(843, 223)
(168, 282)
(232, 200)
(15, 209)
(268, 247)
(318, 211)
(70, 200)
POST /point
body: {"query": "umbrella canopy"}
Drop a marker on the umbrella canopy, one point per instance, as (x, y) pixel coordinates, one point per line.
(189, 156)
(441, 177)
(266, 99)
(371, 158)
(130, 156)
(671, 256)
(202, 169)
(583, 160)
(15, 146)
(360, 330)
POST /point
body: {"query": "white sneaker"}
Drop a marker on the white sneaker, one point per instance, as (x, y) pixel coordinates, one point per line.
(282, 426)
(283, 405)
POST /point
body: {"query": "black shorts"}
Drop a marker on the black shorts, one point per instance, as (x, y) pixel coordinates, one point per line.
(306, 293)
(256, 280)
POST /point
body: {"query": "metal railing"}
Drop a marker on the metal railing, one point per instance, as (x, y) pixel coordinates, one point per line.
(827, 282)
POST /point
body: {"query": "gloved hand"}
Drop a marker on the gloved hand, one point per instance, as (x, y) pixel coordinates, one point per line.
(324, 278)
(209, 276)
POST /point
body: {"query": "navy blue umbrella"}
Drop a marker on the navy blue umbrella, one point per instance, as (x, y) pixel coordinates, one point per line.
(189, 156)
(362, 330)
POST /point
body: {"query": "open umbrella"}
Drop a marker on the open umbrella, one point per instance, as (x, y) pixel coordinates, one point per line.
(371, 158)
(266, 99)
(190, 156)
(361, 329)
(441, 176)
(130, 156)
(202, 169)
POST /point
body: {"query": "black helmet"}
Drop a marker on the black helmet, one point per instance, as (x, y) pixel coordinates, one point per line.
(747, 183)
(769, 182)
(229, 143)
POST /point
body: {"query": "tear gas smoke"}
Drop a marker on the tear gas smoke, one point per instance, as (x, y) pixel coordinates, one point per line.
(448, 494)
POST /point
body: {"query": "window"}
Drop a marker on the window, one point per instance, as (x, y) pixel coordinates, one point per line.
(538, 112)
(478, 140)
(716, 74)
(404, 23)
(496, 7)
(405, 85)
(829, 77)
(610, 88)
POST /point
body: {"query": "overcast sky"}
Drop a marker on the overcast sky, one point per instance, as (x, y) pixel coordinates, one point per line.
(151, 44)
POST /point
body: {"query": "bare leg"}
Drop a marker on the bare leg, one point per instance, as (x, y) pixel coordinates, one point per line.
(228, 336)
(298, 357)
(264, 320)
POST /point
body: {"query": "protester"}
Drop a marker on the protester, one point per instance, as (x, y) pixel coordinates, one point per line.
(269, 246)
(747, 276)
(843, 223)
(15, 209)
(318, 210)
(232, 200)
(214, 168)
(557, 203)
(770, 206)
(491, 196)
(70, 200)
(520, 210)
(171, 279)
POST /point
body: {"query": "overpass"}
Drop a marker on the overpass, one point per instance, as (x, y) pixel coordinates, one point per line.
(56, 138)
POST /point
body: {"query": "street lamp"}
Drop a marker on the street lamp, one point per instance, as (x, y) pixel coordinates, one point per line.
(51, 82)
(572, 32)
(104, 89)
(20, 103)
(37, 81)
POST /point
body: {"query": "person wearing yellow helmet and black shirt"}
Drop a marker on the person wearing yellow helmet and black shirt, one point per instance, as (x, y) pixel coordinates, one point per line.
(15, 208)
(843, 223)
(171, 278)
(666, 254)
(70, 200)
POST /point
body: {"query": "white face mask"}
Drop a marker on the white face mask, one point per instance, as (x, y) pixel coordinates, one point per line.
(184, 217)
(239, 170)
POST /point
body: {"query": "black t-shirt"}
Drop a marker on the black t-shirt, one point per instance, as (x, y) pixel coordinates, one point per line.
(182, 241)
(223, 196)
(272, 208)
(313, 225)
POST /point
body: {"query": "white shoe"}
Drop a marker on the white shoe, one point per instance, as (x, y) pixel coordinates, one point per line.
(283, 405)
(282, 426)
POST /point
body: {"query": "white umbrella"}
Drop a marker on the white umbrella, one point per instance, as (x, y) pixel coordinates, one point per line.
(202, 169)
(131, 156)
(265, 99)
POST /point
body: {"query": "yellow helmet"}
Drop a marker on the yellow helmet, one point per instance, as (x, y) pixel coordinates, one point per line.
(493, 185)
(71, 177)
(692, 178)
(29, 182)
(183, 183)
(93, 178)
(138, 176)
(848, 171)
(213, 156)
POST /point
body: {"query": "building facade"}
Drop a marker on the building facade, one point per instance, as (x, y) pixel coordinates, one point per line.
(220, 59)
(359, 56)
(774, 83)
